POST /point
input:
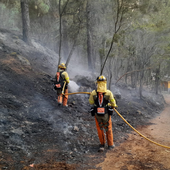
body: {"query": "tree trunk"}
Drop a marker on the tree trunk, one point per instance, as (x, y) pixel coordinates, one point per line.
(65, 40)
(110, 80)
(89, 43)
(141, 84)
(61, 11)
(116, 65)
(73, 47)
(157, 79)
(127, 70)
(60, 41)
(134, 77)
(110, 74)
(25, 21)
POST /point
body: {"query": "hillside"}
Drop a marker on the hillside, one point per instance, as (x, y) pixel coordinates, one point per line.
(35, 130)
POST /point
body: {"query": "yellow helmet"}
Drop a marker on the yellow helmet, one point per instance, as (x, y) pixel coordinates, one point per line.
(101, 78)
(62, 65)
(101, 84)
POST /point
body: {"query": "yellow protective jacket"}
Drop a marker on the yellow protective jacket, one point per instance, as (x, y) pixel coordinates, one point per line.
(64, 75)
(108, 95)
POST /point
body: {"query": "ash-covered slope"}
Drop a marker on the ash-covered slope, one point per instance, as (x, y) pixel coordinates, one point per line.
(34, 129)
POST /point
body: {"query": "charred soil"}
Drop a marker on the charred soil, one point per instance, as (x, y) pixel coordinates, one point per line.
(36, 133)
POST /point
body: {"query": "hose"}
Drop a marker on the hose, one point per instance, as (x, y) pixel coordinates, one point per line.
(63, 87)
(140, 133)
(77, 93)
(124, 121)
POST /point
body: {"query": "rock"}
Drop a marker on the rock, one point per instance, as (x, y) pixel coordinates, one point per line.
(73, 103)
(23, 60)
(117, 96)
(76, 128)
(13, 54)
(85, 81)
(138, 111)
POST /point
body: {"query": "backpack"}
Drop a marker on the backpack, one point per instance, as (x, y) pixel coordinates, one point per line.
(102, 111)
(101, 105)
(59, 83)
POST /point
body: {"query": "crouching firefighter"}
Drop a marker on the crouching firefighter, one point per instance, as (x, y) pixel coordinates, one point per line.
(103, 103)
(61, 84)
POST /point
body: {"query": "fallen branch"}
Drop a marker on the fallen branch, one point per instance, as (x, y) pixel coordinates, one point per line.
(132, 72)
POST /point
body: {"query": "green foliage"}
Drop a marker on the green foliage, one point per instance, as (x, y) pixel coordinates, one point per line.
(10, 15)
(155, 18)
(116, 38)
(38, 8)
(2, 6)
(143, 7)
(101, 52)
(146, 16)
(108, 41)
(111, 55)
(43, 8)
(11, 3)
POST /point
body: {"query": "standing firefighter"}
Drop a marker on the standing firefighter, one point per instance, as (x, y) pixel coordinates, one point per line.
(61, 82)
(103, 103)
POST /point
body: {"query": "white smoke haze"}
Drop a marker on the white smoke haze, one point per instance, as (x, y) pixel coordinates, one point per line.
(78, 65)
(58, 123)
(73, 87)
(45, 50)
(10, 20)
(45, 111)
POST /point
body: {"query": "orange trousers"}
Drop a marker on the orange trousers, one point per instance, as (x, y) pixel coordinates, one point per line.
(63, 98)
(109, 133)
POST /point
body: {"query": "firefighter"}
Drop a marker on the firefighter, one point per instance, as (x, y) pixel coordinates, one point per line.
(61, 84)
(103, 103)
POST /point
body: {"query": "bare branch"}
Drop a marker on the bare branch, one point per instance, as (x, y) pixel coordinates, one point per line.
(148, 68)
(119, 8)
(64, 7)
(60, 20)
(59, 60)
(73, 47)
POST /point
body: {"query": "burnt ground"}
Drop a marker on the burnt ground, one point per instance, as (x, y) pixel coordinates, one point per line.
(35, 132)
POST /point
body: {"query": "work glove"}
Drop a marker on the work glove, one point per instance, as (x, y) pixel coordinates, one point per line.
(110, 110)
(93, 111)
(53, 80)
(55, 87)
(115, 107)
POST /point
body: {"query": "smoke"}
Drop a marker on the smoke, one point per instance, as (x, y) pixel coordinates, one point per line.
(10, 18)
(43, 110)
(73, 87)
(78, 64)
(49, 53)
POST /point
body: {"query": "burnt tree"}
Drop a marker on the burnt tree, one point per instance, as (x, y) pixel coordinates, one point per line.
(157, 79)
(25, 21)
(89, 37)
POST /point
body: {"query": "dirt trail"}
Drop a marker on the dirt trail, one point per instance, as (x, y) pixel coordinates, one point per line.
(139, 154)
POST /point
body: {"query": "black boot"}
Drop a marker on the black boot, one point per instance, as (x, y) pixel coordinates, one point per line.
(111, 147)
(101, 148)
